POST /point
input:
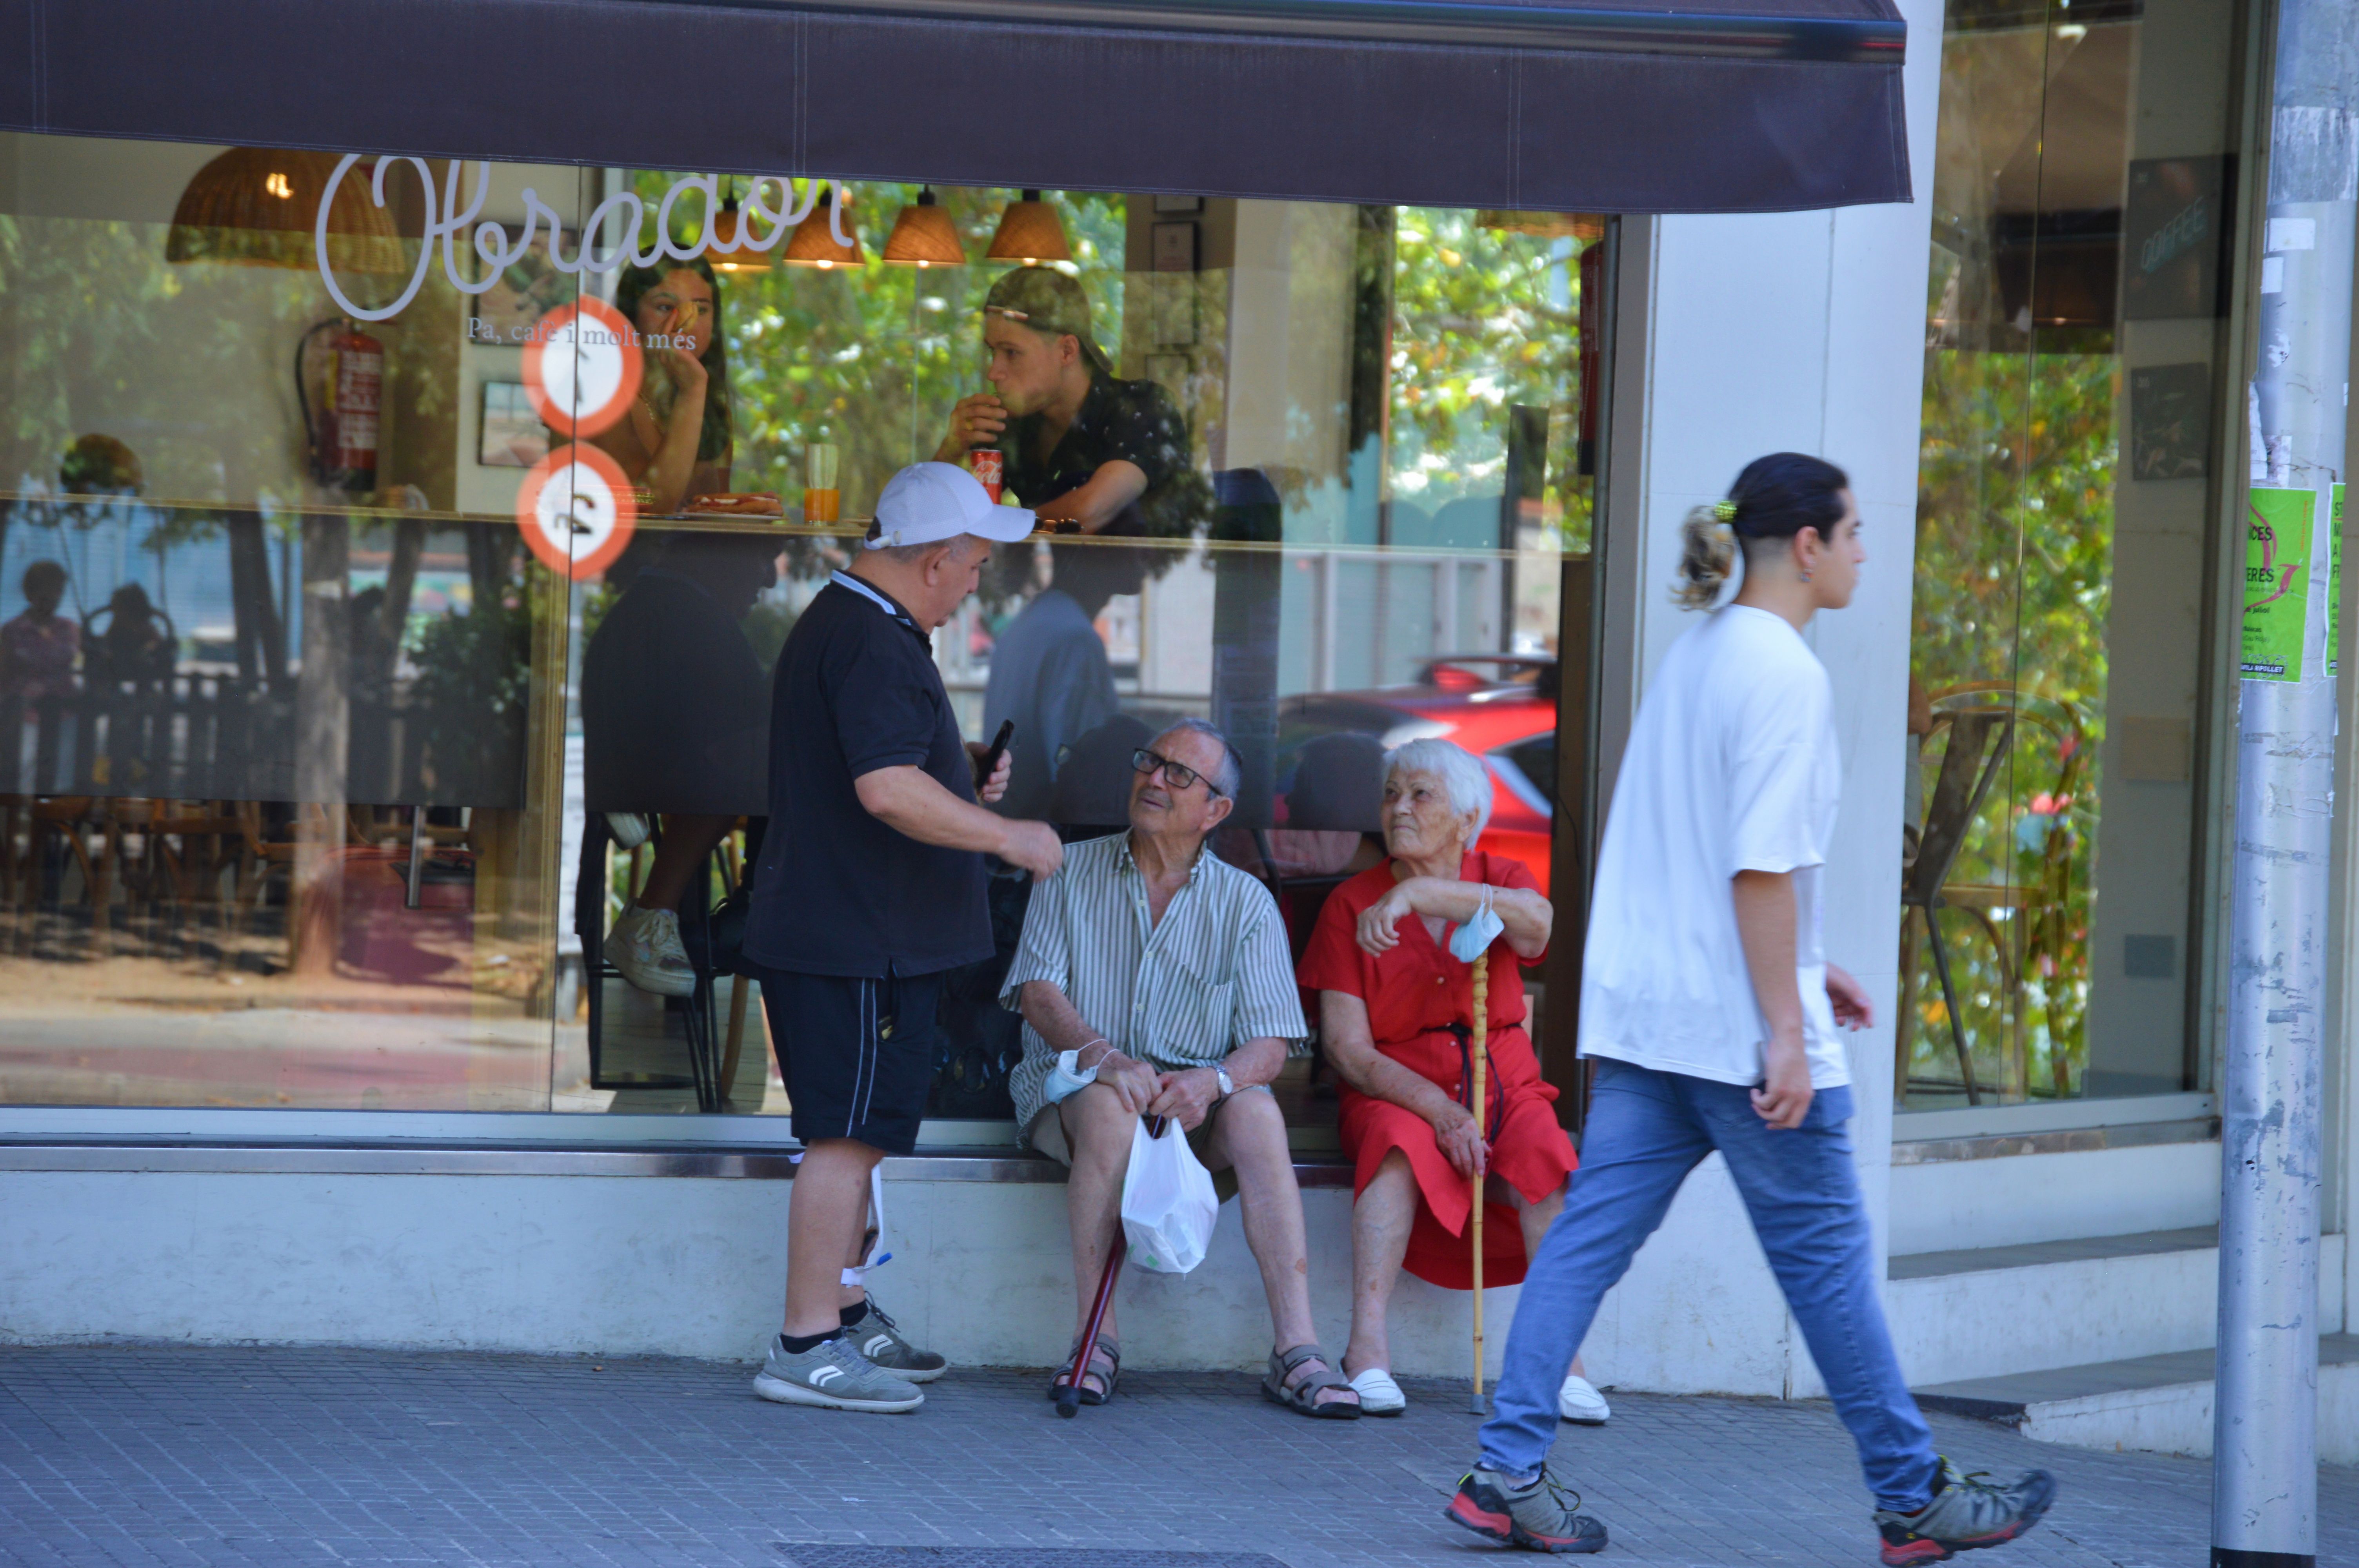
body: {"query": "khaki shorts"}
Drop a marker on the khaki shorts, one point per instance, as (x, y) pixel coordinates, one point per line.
(1047, 1133)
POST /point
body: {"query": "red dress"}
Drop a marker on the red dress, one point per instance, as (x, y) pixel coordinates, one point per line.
(1414, 994)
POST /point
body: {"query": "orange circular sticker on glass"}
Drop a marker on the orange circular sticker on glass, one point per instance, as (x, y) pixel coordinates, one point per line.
(576, 511)
(581, 368)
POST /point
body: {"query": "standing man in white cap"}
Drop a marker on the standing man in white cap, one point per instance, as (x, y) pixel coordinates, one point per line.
(870, 885)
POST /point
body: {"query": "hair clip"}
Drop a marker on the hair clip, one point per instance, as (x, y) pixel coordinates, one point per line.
(1724, 510)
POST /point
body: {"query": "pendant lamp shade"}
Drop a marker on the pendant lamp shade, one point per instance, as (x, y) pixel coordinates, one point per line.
(1585, 227)
(814, 242)
(259, 207)
(923, 236)
(1030, 233)
(727, 249)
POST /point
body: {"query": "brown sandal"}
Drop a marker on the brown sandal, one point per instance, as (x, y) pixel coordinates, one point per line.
(1105, 1352)
(1303, 1397)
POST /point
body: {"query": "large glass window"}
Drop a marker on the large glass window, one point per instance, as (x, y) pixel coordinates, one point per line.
(2073, 410)
(339, 720)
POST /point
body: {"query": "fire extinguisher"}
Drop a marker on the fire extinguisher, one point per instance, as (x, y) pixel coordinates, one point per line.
(343, 433)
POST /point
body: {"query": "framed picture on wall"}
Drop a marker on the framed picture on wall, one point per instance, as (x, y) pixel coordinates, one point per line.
(2170, 421)
(510, 434)
(1170, 204)
(1175, 247)
(526, 290)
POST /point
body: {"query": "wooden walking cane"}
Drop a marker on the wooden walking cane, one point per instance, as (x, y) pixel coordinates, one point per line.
(1479, 1049)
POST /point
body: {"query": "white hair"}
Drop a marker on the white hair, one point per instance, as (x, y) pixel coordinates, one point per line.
(1460, 769)
(1230, 772)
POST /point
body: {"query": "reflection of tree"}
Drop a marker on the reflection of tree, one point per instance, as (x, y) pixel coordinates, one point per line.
(1483, 318)
(2013, 581)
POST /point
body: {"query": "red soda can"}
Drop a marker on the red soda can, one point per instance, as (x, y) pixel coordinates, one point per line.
(988, 468)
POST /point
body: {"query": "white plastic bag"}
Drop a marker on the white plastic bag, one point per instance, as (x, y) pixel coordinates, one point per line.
(1168, 1207)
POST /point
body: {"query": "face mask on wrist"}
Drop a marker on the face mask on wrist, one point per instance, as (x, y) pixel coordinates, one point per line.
(1474, 939)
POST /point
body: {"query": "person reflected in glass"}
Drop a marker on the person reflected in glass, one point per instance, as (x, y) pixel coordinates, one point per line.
(1154, 980)
(675, 720)
(39, 650)
(1050, 672)
(676, 440)
(1394, 1007)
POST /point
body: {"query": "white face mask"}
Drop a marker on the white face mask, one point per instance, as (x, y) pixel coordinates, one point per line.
(1474, 939)
(1066, 1077)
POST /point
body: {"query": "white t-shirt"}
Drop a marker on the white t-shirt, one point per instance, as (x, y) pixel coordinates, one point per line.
(1732, 766)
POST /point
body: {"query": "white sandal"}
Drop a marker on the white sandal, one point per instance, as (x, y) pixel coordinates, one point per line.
(1379, 1395)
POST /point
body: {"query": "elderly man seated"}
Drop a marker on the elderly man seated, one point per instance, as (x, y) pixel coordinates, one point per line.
(1165, 969)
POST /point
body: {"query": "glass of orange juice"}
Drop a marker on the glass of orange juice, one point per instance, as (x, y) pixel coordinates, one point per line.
(822, 502)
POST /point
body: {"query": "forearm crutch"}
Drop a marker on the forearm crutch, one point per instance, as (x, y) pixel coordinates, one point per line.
(1478, 1048)
(1069, 1398)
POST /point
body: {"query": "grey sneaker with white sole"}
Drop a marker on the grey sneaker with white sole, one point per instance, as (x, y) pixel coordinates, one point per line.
(880, 1339)
(834, 1375)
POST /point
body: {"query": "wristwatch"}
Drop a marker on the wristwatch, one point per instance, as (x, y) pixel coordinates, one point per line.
(1228, 1084)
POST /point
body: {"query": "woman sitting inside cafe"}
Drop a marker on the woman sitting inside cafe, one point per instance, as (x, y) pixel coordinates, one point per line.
(1394, 1011)
(675, 441)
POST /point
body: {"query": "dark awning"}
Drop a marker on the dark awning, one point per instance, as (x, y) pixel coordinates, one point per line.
(1617, 106)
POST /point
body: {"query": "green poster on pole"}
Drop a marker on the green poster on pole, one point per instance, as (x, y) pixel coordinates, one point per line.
(2277, 589)
(2334, 581)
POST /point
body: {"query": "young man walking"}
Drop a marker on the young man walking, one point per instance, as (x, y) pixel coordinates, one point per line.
(1711, 1013)
(870, 885)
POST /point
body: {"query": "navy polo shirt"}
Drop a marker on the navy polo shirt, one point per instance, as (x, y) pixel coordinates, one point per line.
(837, 892)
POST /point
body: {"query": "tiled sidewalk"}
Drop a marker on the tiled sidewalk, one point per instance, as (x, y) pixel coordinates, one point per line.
(145, 1455)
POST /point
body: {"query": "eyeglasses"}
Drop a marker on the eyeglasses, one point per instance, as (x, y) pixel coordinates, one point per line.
(1179, 777)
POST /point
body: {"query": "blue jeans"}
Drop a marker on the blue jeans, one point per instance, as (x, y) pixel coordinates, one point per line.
(1646, 1131)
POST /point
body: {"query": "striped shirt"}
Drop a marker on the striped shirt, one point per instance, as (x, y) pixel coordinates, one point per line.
(1214, 973)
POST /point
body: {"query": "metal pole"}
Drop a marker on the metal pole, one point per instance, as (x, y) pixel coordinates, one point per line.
(2264, 1452)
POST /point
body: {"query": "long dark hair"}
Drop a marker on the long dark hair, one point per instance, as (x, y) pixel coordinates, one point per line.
(1774, 498)
(714, 441)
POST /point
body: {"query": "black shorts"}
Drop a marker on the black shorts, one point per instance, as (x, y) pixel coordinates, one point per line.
(857, 1055)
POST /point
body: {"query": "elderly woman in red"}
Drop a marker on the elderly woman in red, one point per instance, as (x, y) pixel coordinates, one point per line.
(1394, 1007)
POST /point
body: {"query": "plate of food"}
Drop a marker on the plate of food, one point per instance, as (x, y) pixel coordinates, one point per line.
(747, 503)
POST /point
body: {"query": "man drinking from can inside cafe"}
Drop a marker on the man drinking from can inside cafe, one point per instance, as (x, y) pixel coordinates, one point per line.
(1091, 454)
(870, 885)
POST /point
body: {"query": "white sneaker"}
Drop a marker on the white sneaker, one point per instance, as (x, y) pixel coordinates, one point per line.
(644, 946)
(1379, 1395)
(1580, 1402)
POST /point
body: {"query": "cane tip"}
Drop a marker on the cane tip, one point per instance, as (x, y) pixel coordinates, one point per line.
(1069, 1405)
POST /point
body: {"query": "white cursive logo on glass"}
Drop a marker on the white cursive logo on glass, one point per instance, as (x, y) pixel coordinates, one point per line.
(759, 228)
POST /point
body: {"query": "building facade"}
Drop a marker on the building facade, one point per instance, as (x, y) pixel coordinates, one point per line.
(326, 472)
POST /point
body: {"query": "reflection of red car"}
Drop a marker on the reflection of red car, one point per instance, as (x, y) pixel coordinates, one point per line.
(1501, 706)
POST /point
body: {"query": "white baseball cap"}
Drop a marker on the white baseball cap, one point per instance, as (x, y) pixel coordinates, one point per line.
(926, 504)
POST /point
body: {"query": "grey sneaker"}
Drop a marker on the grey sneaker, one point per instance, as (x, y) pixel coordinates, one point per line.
(1966, 1514)
(880, 1339)
(834, 1375)
(1538, 1516)
(644, 946)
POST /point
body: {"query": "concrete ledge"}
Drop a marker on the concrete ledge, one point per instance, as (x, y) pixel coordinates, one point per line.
(687, 1161)
(2159, 1404)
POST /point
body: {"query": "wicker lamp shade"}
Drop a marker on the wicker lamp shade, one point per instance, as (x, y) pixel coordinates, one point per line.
(727, 250)
(923, 236)
(259, 207)
(814, 242)
(1030, 233)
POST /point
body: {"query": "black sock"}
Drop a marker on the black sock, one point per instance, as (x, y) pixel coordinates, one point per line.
(796, 1345)
(855, 1313)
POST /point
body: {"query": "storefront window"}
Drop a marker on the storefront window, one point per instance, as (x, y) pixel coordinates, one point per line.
(324, 778)
(2072, 461)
